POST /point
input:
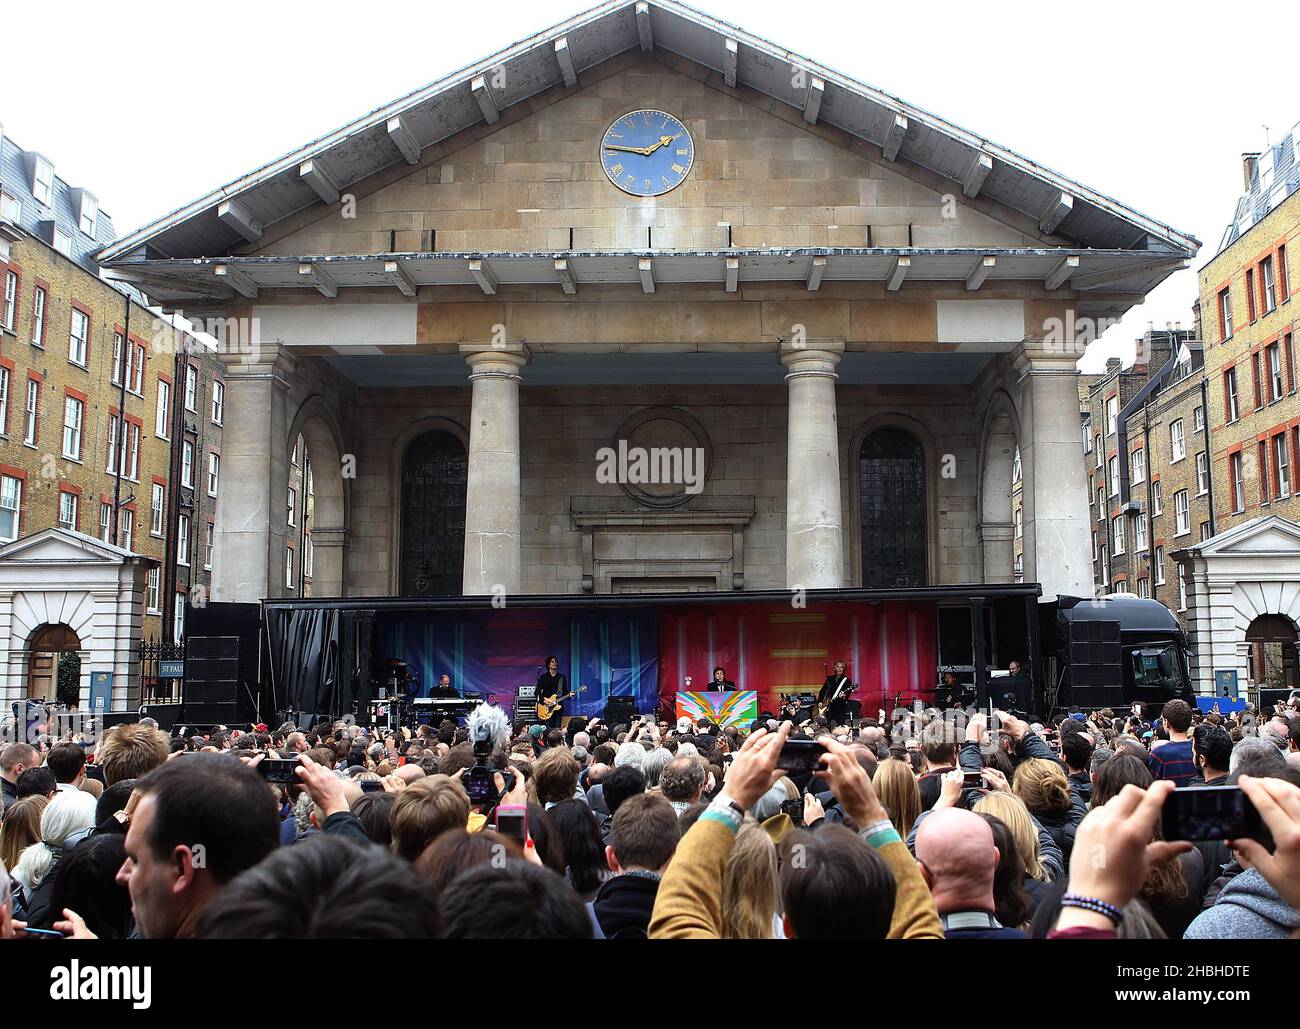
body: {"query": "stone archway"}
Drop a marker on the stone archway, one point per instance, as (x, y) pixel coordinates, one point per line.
(1273, 661)
(321, 533)
(998, 491)
(45, 650)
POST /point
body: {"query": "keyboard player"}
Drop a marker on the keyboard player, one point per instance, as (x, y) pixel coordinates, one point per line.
(444, 690)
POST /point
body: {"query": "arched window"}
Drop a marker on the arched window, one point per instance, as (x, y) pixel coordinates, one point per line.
(434, 475)
(891, 495)
(1273, 660)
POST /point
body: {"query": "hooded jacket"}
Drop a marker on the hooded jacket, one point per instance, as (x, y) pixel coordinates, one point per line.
(1248, 908)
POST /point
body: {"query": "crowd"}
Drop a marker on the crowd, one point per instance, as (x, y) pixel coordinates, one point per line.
(938, 824)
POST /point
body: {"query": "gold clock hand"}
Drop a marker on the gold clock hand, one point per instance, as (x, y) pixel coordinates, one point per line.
(629, 149)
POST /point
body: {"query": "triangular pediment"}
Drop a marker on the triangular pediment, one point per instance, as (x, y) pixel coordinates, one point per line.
(62, 546)
(758, 178)
(1268, 534)
(254, 210)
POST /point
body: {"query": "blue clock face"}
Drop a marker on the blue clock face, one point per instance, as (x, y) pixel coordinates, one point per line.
(647, 153)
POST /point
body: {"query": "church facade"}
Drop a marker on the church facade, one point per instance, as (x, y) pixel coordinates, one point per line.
(807, 325)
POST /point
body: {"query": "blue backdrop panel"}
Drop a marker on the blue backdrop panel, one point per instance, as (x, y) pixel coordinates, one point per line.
(615, 652)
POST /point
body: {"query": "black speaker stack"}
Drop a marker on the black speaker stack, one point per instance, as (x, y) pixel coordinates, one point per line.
(619, 710)
(1096, 674)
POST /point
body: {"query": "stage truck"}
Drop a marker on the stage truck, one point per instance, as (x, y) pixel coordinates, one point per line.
(381, 659)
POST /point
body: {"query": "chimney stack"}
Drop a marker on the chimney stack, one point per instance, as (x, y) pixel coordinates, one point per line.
(1249, 162)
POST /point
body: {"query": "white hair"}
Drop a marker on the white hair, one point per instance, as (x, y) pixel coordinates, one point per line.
(629, 753)
(33, 865)
(69, 812)
(687, 750)
(653, 764)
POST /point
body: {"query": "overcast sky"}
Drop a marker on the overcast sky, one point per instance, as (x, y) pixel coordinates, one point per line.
(152, 103)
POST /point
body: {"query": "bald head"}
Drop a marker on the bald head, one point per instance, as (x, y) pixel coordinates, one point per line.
(409, 773)
(958, 857)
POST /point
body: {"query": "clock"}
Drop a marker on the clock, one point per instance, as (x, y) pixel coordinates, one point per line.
(647, 153)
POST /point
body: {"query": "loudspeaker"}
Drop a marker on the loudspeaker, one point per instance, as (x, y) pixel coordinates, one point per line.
(1268, 697)
(619, 710)
(1096, 675)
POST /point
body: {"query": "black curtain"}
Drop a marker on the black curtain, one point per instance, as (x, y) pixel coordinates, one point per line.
(303, 644)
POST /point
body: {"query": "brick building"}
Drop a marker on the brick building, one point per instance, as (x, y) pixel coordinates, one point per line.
(91, 458)
(1243, 586)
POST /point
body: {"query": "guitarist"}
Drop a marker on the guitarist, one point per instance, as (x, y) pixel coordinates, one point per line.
(833, 697)
(550, 685)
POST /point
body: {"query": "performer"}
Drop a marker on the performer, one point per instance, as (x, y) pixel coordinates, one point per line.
(551, 685)
(836, 686)
(1018, 683)
(445, 689)
(720, 683)
(948, 695)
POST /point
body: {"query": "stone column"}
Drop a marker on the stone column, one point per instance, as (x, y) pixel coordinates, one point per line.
(492, 499)
(248, 564)
(814, 537)
(329, 545)
(997, 546)
(1057, 533)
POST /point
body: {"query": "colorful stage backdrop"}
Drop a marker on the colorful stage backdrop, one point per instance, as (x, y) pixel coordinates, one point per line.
(890, 650)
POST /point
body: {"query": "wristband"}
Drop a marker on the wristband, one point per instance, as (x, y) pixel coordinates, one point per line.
(1097, 907)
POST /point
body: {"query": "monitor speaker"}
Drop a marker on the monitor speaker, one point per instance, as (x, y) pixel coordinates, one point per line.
(1096, 674)
(619, 710)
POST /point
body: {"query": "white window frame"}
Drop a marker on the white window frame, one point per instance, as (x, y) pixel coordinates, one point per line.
(309, 557)
(1117, 535)
(291, 501)
(153, 591)
(1282, 469)
(1160, 566)
(1237, 480)
(1234, 396)
(31, 412)
(1182, 513)
(162, 418)
(5, 386)
(61, 242)
(191, 389)
(187, 464)
(209, 544)
(1177, 441)
(73, 406)
(214, 473)
(1112, 468)
(1202, 473)
(1276, 382)
(218, 401)
(12, 487)
(11, 301)
(78, 346)
(1157, 508)
(11, 208)
(1225, 312)
(1112, 415)
(68, 523)
(157, 509)
(1269, 281)
(1198, 419)
(1140, 533)
(178, 620)
(1139, 467)
(105, 522)
(183, 539)
(43, 182)
(125, 528)
(289, 582)
(39, 300)
(88, 216)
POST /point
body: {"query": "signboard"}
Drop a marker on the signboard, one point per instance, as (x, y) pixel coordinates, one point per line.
(171, 669)
(1225, 683)
(101, 692)
(735, 707)
(1224, 705)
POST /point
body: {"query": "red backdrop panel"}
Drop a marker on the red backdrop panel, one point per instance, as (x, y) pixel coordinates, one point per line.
(890, 649)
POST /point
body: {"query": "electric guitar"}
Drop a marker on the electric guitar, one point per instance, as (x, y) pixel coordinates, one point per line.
(547, 707)
(843, 690)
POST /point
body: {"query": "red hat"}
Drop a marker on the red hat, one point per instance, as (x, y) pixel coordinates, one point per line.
(260, 727)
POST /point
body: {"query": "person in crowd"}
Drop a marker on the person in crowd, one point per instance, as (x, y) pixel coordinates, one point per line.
(1173, 760)
(959, 860)
(131, 751)
(195, 825)
(375, 813)
(459, 849)
(68, 763)
(326, 888)
(513, 899)
(424, 810)
(643, 839)
(20, 828)
(586, 868)
(1171, 889)
(66, 816)
(682, 782)
(939, 751)
(1038, 851)
(839, 891)
(1011, 903)
(86, 882)
(750, 895)
(15, 758)
(1076, 752)
(898, 791)
(1046, 790)
(555, 777)
(36, 782)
